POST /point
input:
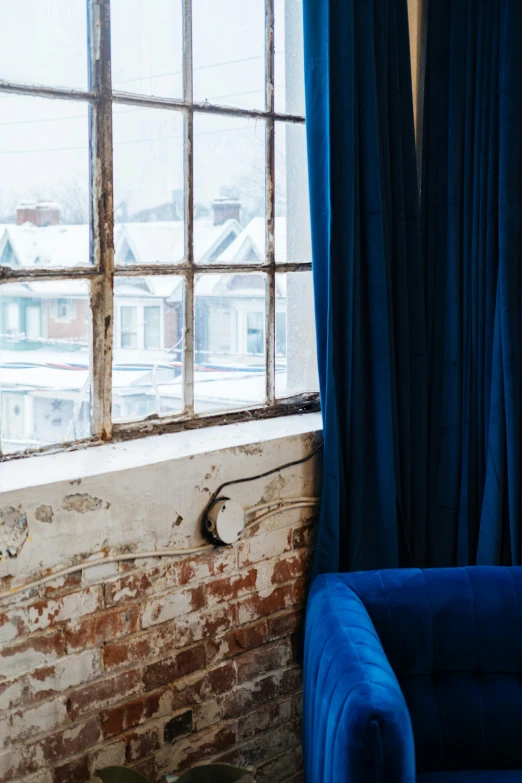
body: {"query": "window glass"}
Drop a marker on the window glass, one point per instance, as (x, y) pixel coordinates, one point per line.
(44, 42)
(45, 390)
(229, 52)
(229, 341)
(146, 54)
(148, 355)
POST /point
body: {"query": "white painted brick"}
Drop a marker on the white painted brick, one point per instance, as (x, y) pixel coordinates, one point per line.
(69, 607)
(24, 660)
(206, 714)
(43, 776)
(44, 717)
(263, 547)
(166, 608)
(12, 624)
(68, 672)
(5, 732)
(10, 693)
(99, 573)
(107, 756)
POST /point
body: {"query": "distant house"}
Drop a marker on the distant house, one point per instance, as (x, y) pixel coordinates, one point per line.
(45, 325)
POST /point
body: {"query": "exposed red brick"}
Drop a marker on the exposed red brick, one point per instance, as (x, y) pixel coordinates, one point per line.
(94, 630)
(31, 653)
(171, 669)
(71, 741)
(284, 624)
(237, 641)
(71, 606)
(136, 585)
(74, 771)
(197, 689)
(64, 585)
(263, 660)
(126, 716)
(198, 747)
(261, 605)
(231, 587)
(145, 646)
(289, 568)
(142, 742)
(99, 695)
(217, 561)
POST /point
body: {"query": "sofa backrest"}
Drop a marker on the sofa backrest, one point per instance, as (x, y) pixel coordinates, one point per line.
(453, 637)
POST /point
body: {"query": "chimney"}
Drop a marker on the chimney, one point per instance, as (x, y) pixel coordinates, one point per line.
(26, 212)
(47, 213)
(225, 209)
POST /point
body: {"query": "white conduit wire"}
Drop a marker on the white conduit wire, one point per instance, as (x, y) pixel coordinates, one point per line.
(281, 505)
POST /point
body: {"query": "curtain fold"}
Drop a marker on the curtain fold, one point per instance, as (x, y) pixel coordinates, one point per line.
(369, 288)
(471, 226)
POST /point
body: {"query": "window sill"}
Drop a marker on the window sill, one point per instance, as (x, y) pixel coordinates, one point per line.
(101, 460)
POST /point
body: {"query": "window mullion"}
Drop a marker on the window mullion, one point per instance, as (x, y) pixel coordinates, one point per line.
(102, 216)
(270, 201)
(188, 343)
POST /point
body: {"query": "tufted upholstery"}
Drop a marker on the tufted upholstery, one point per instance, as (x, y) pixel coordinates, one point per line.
(405, 664)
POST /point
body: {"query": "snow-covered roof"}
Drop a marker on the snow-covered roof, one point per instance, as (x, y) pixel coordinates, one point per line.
(252, 240)
(163, 242)
(64, 246)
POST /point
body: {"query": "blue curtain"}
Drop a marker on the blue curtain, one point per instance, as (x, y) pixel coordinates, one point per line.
(368, 279)
(472, 244)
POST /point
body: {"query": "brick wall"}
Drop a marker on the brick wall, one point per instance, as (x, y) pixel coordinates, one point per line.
(159, 665)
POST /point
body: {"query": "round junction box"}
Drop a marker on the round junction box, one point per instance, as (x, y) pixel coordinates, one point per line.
(225, 521)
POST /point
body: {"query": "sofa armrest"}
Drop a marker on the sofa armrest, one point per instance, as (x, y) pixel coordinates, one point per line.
(357, 726)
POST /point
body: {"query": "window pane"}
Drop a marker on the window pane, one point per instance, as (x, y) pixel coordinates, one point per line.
(229, 341)
(45, 360)
(289, 57)
(229, 52)
(292, 222)
(229, 189)
(147, 47)
(152, 321)
(44, 42)
(44, 185)
(296, 356)
(148, 346)
(148, 186)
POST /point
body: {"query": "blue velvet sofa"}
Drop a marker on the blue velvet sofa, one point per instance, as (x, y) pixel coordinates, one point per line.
(414, 675)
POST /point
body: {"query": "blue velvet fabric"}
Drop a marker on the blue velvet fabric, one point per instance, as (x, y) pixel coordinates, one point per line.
(414, 672)
(472, 237)
(368, 283)
(473, 776)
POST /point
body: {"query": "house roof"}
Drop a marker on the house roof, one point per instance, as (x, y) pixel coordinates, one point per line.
(253, 240)
(164, 242)
(49, 246)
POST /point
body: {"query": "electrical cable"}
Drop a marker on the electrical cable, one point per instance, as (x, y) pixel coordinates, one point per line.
(281, 505)
(270, 472)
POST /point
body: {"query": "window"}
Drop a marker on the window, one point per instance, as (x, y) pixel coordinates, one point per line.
(151, 328)
(129, 327)
(255, 332)
(65, 309)
(153, 213)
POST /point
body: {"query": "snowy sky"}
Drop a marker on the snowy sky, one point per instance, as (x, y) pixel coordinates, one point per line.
(43, 143)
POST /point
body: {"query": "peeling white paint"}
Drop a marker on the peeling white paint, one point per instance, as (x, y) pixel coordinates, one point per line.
(149, 494)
